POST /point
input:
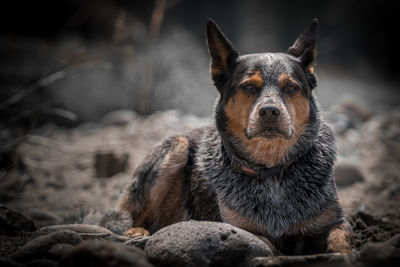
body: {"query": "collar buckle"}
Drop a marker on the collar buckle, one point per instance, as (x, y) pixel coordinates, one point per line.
(242, 167)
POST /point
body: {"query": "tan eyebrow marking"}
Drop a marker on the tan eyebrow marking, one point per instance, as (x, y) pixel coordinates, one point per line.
(255, 79)
(285, 78)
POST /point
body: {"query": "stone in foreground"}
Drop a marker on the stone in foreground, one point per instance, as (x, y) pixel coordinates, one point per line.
(105, 254)
(13, 222)
(38, 247)
(195, 243)
(323, 260)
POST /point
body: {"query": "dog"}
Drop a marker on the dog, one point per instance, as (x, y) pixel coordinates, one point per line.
(265, 166)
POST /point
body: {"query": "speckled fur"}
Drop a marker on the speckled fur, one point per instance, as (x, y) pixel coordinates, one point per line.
(296, 210)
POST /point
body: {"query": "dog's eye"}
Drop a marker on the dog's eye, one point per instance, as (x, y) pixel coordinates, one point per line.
(248, 88)
(291, 88)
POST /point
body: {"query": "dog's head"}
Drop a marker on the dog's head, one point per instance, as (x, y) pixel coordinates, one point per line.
(264, 102)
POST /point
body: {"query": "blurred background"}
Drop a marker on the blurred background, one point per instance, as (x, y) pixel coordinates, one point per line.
(83, 59)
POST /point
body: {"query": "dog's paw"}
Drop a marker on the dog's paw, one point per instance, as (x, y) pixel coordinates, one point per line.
(137, 231)
(338, 242)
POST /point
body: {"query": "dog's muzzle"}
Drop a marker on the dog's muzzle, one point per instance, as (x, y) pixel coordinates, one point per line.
(269, 121)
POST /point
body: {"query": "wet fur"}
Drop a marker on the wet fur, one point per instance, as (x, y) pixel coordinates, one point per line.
(190, 177)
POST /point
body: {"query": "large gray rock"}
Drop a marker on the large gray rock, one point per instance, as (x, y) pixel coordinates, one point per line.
(105, 254)
(196, 243)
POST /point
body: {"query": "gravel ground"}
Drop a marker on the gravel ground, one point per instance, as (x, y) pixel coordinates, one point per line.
(76, 175)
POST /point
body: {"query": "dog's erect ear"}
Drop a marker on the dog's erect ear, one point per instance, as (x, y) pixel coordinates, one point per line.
(223, 53)
(305, 47)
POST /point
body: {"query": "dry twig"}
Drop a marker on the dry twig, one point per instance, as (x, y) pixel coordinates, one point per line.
(46, 81)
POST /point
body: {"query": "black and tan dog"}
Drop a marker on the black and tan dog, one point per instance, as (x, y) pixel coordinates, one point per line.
(266, 165)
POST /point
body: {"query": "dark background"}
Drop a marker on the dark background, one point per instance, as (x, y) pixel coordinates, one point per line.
(356, 30)
(115, 54)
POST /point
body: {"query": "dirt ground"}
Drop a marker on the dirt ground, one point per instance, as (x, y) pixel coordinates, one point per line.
(56, 171)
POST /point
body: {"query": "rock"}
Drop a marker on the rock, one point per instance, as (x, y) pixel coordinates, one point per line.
(86, 231)
(326, 260)
(139, 241)
(13, 223)
(14, 182)
(347, 115)
(394, 241)
(360, 224)
(39, 246)
(115, 221)
(379, 254)
(119, 117)
(41, 263)
(44, 217)
(108, 164)
(4, 262)
(347, 174)
(195, 243)
(9, 244)
(366, 218)
(105, 254)
(357, 111)
(341, 122)
(59, 250)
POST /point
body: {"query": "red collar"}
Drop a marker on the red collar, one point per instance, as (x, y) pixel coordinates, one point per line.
(254, 170)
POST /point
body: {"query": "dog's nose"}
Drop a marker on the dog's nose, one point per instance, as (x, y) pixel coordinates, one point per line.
(269, 112)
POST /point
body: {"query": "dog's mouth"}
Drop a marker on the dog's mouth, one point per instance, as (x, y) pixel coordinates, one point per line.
(286, 134)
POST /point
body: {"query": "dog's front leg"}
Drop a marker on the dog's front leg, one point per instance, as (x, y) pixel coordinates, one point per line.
(269, 243)
(236, 219)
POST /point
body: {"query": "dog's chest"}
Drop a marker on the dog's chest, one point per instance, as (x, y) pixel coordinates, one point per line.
(270, 206)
